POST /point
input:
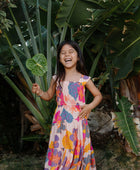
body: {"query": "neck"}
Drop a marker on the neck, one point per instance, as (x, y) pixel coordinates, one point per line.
(72, 74)
(71, 71)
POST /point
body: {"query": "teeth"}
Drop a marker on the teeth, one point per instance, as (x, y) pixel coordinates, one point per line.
(67, 60)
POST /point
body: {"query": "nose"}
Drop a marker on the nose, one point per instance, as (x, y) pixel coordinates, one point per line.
(67, 53)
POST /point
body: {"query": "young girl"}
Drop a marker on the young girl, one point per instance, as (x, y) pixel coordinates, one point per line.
(70, 144)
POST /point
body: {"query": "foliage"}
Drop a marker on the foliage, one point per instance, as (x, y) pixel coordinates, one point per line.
(113, 25)
(107, 31)
(5, 23)
(129, 51)
(102, 79)
(124, 122)
(23, 52)
(37, 64)
(113, 32)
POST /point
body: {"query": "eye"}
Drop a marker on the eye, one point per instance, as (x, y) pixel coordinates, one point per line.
(62, 53)
(71, 51)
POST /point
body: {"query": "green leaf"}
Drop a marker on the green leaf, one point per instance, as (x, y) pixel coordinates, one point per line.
(12, 5)
(126, 50)
(2, 13)
(43, 4)
(127, 59)
(33, 137)
(30, 28)
(64, 12)
(37, 64)
(73, 12)
(18, 60)
(125, 123)
(27, 102)
(82, 12)
(136, 68)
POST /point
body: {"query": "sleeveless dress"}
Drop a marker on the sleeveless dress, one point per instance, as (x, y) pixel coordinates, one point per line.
(70, 144)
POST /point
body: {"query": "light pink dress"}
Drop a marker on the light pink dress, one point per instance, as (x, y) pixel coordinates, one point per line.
(70, 144)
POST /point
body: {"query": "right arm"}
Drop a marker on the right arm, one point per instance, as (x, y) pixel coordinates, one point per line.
(48, 95)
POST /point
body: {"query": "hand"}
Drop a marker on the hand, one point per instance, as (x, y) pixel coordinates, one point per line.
(36, 89)
(85, 111)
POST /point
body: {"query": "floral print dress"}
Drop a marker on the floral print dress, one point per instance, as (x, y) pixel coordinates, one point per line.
(70, 144)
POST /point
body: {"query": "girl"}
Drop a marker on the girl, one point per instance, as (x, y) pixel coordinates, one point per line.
(70, 145)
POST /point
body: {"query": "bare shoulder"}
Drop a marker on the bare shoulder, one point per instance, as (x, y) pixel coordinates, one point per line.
(53, 82)
(90, 84)
(92, 88)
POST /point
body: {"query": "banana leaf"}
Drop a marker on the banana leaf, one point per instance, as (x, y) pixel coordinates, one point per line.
(74, 12)
(99, 17)
(129, 52)
(125, 124)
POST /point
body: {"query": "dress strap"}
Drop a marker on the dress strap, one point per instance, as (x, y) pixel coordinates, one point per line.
(84, 79)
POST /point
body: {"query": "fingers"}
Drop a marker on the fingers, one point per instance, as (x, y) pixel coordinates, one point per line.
(35, 88)
(82, 115)
(85, 111)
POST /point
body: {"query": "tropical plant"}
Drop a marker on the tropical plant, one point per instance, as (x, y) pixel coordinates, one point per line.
(114, 26)
(5, 23)
(29, 46)
(25, 51)
(99, 27)
(125, 124)
(112, 32)
(33, 46)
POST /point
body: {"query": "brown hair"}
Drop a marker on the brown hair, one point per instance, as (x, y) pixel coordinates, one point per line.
(80, 64)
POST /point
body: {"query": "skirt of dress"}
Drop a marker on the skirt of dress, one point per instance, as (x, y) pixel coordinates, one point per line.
(70, 144)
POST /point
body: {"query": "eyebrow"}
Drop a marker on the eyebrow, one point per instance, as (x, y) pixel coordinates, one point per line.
(68, 49)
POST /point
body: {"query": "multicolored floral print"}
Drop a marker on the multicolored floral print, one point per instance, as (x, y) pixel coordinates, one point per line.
(54, 157)
(70, 144)
(73, 89)
(81, 93)
(60, 98)
(57, 119)
(66, 116)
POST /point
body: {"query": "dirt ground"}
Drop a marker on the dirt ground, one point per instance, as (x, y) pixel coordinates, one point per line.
(110, 156)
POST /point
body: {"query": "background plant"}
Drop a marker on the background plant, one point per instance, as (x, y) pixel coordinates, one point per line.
(104, 30)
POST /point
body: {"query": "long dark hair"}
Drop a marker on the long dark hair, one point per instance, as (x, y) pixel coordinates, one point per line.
(80, 64)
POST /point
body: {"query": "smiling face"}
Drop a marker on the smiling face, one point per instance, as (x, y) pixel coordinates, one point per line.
(68, 56)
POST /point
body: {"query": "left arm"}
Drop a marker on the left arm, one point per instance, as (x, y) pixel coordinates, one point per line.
(86, 109)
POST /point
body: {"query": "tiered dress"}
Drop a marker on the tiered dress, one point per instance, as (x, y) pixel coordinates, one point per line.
(70, 144)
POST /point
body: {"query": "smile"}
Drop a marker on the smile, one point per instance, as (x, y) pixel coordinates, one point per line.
(67, 60)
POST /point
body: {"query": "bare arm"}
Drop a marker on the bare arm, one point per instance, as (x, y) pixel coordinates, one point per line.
(48, 95)
(95, 92)
(86, 109)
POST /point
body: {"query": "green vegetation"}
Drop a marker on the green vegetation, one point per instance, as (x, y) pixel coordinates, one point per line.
(107, 31)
